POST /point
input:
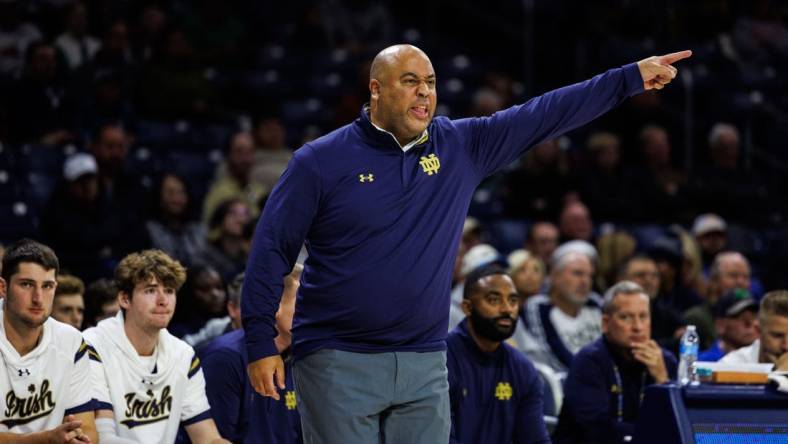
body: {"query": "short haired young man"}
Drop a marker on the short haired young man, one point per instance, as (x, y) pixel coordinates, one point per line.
(772, 345)
(148, 382)
(495, 391)
(45, 379)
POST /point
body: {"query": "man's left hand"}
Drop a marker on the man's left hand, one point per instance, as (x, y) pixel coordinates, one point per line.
(658, 71)
(650, 354)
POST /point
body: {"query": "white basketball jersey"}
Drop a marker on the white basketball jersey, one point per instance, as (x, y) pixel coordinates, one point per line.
(46, 384)
(150, 397)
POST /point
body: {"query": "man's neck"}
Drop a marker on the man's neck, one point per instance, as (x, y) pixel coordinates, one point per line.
(565, 306)
(485, 345)
(144, 342)
(23, 338)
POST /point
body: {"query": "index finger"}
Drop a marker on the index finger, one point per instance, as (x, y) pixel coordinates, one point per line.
(669, 59)
(71, 425)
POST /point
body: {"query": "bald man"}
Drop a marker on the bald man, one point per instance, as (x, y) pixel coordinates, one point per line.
(380, 204)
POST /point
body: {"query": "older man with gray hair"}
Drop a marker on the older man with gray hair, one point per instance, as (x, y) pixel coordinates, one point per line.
(565, 319)
(608, 377)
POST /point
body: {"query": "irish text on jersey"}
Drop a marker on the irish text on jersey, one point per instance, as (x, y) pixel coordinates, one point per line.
(21, 410)
(146, 411)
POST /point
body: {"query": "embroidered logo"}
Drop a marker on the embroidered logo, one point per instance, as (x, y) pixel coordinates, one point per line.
(290, 400)
(146, 411)
(366, 178)
(430, 164)
(24, 410)
(23, 372)
(503, 391)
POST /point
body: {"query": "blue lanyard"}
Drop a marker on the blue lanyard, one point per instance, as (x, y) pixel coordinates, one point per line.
(620, 393)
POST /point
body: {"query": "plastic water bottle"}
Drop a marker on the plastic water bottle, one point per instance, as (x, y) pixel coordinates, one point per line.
(688, 354)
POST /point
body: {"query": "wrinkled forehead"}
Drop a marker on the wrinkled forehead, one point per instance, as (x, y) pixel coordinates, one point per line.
(399, 60)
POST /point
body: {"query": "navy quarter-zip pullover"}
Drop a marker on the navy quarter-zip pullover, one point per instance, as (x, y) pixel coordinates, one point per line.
(495, 397)
(382, 226)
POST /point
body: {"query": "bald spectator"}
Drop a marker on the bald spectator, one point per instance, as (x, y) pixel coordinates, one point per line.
(542, 240)
(575, 222)
(565, 319)
(238, 183)
(667, 324)
(729, 271)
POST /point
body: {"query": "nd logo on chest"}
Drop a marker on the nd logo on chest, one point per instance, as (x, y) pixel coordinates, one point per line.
(429, 164)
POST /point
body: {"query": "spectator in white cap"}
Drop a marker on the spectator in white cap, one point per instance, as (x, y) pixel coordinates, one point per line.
(711, 234)
(477, 256)
(87, 232)
(80, 171)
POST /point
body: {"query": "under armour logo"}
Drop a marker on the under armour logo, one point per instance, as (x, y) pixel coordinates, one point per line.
(147, 381)
(23, 372)
(430, 164)
(368, 178)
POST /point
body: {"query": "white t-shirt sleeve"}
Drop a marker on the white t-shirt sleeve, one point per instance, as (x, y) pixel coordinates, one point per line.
(195, 402)
(80, 382)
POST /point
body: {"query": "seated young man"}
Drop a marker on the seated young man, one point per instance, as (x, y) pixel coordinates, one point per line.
(148, 382)
(45, 379)
(494, 390)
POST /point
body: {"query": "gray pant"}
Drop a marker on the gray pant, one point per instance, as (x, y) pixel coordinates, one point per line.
(348, 398)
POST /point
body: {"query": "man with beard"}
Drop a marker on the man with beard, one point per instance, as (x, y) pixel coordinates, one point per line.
(608, 377)
(565, 319)
(45, 377)
(485, 371)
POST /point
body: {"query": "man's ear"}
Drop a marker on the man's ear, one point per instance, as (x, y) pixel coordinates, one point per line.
(605, 321)
(124, 300)
(374, 89)
(3, 288)
(466, 306)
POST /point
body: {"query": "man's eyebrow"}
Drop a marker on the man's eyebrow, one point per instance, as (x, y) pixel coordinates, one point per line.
(413, 74)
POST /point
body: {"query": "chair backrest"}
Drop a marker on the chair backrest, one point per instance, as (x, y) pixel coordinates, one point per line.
(553, 390)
